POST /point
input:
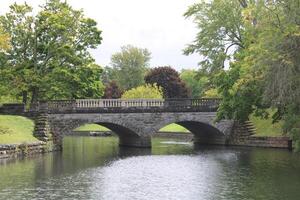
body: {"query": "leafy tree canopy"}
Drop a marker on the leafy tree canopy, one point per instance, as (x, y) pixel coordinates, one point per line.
(196, 82)
(129, 66)
(264, 38)
(144, 92)
(49, 55)
(221, 32)
(168, 78)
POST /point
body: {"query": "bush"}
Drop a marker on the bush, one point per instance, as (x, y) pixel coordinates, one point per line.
(144, 92)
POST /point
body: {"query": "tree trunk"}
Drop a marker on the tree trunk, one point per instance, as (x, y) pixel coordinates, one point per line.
(34, 96)
(24, 97)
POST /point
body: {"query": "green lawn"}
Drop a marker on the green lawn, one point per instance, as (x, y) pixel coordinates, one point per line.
(91, 127)
(174, 128)
(16, 130)
(264, 127)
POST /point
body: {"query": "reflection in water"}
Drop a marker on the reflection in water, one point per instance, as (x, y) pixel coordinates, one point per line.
(96, 168)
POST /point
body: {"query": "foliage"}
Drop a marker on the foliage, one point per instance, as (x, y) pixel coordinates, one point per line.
(168, 78)
(212, 93)
(264, 63)
(196, 84)
(144, 92)
(220, 25)
(291, 123)
(237, 89)
(50, 52)
(276, 48)
(129, 66)
(108, 75)
(112, 91)
(4, 40)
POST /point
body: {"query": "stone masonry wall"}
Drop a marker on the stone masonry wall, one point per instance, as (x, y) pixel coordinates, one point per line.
(25, 149)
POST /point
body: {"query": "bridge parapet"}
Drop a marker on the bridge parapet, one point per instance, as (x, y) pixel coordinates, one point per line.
(129, 105)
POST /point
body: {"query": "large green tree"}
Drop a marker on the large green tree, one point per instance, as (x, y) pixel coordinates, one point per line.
(277, 50)
(195, 81)
(129, 66)
(49, 55)
(221, 31)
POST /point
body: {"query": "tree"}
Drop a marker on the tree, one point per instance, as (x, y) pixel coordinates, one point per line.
(108, 75)
(264, 65)
(112, 91)
(130, 66)
(221, 31)
(168, 78)
(277, 49)
(49, 55)
(193, 81)
(144, 92)
(4, 45)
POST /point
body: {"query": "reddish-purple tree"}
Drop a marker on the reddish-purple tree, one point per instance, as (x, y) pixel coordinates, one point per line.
(112, 91)
(169, 79)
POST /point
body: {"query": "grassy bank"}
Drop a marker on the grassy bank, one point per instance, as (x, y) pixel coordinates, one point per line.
(16, 130)
(174, 128)
(264, 127)
(91, 127)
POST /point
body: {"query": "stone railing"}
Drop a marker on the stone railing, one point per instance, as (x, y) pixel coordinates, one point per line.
(12, 108)
(204, 104)
(118, 103)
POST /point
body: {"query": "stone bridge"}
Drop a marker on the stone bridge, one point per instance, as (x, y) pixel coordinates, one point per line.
(134, 121)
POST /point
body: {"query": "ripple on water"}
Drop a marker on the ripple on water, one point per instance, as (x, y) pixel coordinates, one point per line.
(159, 177)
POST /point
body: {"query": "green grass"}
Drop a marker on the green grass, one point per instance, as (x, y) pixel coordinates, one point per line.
(91, 127)
(16, 130)
(174, 128)
(264, 127)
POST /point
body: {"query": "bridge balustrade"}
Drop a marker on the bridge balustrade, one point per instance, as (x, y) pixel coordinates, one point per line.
(203, 104)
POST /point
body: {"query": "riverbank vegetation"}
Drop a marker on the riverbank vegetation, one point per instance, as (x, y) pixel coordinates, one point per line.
(259, 43)
(16, 130)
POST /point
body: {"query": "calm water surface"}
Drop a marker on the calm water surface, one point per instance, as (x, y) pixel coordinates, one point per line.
(96, 168)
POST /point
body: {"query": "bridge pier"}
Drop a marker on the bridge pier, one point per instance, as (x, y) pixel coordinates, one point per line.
(135, 141)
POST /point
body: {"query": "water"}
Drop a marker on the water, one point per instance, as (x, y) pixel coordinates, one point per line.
(96, 168)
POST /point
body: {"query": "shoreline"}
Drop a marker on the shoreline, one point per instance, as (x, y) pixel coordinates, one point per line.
(28, 149)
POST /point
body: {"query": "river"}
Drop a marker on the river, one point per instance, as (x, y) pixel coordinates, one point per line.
(97, 168)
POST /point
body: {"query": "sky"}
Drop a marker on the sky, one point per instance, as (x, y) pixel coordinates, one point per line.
(158, 25)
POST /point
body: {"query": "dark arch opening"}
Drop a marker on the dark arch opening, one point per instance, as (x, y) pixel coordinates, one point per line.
(203, 133)
(127, 137)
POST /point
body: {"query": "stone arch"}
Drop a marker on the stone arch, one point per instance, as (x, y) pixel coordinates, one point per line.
(127, 136)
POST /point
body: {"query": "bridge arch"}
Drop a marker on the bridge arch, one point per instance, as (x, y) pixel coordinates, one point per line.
(129, 135)
(204, 133)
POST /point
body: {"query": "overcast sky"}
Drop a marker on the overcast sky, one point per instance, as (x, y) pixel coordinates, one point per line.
(157, 25)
